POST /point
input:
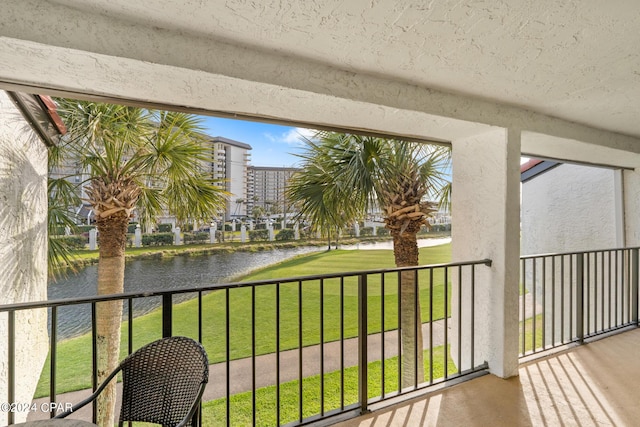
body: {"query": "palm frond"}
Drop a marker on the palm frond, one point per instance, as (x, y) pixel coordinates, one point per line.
(343, 175)
(154, 157)
(194, 198)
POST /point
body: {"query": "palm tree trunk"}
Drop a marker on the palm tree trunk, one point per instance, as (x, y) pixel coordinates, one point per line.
(405, 249)
(113, 232)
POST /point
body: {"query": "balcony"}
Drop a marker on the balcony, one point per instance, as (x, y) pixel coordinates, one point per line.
(326, 348)
(594, 384)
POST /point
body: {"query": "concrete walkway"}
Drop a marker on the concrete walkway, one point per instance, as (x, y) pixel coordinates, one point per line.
(240, 370)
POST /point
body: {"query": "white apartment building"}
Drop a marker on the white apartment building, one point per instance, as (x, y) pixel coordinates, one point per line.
(230, 163)
(267, 186)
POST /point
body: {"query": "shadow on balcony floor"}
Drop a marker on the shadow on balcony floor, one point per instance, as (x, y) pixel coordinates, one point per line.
(597, 384)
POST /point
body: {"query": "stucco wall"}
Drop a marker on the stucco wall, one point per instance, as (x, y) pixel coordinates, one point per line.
(484, 225)
(631, 179)
(569, 208)
(23, 248)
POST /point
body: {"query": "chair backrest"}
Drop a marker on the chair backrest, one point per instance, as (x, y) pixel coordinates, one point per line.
(163, 380)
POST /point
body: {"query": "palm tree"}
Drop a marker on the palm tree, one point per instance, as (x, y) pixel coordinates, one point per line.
(61, 195)
(239, 203)
(257, 212)
(319, 197)
(137, 160)
(343, 175)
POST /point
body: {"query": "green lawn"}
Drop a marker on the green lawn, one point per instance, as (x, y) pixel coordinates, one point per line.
(529, 344)
(241, 413)
(74, 355)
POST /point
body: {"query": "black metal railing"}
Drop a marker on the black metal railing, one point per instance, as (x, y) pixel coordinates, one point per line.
(292, 350)
(567, 297)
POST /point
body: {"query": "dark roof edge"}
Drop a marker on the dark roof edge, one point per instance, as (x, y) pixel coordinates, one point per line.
(536, 167)
(230, 142)
(52, 111)
(40, 113)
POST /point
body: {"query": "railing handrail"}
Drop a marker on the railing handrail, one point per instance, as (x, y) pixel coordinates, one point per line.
(130, 295)
(595, 290)
(552, 254)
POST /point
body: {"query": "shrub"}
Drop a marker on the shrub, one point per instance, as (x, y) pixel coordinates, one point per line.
(165, 228)
(307, 233)
(441, 227)
(131, 228)
(73, 242)
(157, 239)
(196, 237)
(366, 231)
(58, 231)
(382, 231)
(286, 234)
(255, 235)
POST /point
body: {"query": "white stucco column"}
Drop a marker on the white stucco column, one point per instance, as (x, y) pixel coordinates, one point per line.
(93, 239)
(619, 208)
(138, 237)
(212, 232)
(486, 224)
(177, 237)
(23, 252)
(631, 196)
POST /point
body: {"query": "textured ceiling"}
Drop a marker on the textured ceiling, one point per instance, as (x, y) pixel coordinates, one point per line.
(576, 60)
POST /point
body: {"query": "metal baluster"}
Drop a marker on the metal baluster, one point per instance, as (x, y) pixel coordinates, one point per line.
(580, 297)
(363, 372)
(11, 355)
(382, 340)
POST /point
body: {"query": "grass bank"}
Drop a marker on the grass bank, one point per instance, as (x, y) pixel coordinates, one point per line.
(214, 412)
(86, 257)
(74, 370)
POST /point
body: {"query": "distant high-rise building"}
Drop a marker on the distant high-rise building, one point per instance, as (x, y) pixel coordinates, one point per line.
(267, 188)
(230, 163)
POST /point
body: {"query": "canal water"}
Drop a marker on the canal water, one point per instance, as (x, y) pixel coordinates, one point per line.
(143, 275)
(177, 272)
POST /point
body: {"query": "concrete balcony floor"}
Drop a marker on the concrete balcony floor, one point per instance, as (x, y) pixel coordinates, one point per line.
(596, 384)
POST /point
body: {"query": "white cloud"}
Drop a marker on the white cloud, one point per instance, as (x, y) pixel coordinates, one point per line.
(296, 136)
(270, 137)
(291, 137)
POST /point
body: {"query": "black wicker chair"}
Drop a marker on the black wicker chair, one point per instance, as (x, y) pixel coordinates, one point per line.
(162, 383)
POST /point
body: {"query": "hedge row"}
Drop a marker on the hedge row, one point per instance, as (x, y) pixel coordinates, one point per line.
(73, 242)
(256, 235)
(157, 239)
(196, 237)
(286, 234)
(165, 228)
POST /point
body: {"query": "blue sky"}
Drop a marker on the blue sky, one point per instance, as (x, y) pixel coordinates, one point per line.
(272, 145)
